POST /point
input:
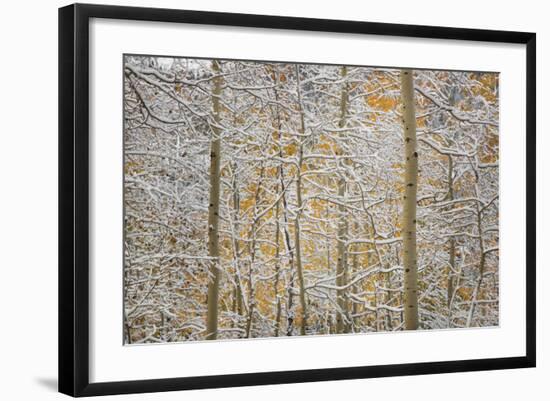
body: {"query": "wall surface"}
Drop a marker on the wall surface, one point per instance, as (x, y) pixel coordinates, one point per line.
(28, 200)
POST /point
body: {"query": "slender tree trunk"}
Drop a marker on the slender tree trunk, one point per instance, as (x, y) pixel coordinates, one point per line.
(379, 276)
(290, 251)
(290, 306)
(213, 211)
(409, 202)
(450, 279)
(341, 263)
(252, 239)
(279, 187)
(238, 294)
(127, 324)
(251, 300)
(235, 238)
(354, 306)
(298, 250)
(456, 286)
(376, 312)
(342, 321)
(477, 288)
(277, 269)
(128, 329)
(288, 247)
(389, 322)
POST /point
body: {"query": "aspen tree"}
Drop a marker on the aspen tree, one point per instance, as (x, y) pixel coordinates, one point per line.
(238, 293)
(277, 127)
(269, 199)
(341, 263)
(409, 202)
(213, 210)
(298, 250)
(284, 212)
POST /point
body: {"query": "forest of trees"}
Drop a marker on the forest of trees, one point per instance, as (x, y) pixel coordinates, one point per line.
(268, 199)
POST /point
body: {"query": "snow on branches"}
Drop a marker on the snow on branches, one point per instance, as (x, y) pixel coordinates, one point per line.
(265, 199)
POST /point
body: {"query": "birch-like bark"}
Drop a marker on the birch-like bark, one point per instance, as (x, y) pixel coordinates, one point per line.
(298, 250)
(409, 202)
(304, 255)
(281, 186)
(277, 127)
(238, 293)
(213, 210)
(277, 269)
(341, 261)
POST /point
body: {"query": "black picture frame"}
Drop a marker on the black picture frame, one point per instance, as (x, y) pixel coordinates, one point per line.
(74, 194)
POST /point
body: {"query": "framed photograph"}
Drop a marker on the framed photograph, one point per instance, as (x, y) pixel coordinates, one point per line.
(250, 199)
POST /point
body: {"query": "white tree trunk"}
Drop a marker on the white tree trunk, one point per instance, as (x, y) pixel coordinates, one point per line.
(213, 211)
(342, 323)
(298, 251)
(409, 202)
